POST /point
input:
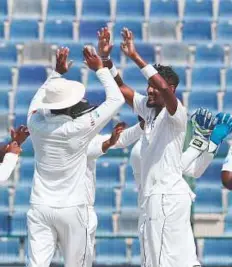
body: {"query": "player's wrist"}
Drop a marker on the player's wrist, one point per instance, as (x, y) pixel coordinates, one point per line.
(114, 71)
(148, 71)
(199, 143)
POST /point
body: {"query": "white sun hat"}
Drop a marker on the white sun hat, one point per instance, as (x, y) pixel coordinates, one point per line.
(61, 93)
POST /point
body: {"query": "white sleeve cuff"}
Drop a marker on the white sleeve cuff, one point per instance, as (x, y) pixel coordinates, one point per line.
(12, 157)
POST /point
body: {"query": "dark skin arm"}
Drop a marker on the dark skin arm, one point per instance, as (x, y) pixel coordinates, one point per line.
(104, 49)
(156, 81)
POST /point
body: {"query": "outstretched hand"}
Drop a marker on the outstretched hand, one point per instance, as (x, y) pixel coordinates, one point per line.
(128, 46)
(62, 63)
(93, 61)
(19, 135)
(104, 45)
(118, 129)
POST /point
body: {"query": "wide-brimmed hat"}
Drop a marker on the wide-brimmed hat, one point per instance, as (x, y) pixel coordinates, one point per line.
(61, 93)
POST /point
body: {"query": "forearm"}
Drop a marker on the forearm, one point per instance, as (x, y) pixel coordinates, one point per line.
(7, 166)
(195, 162)
(129, 136)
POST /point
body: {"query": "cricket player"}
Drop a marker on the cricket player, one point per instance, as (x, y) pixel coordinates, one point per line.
(168, 196)
(195, 161)
(100, 144)
(61, 126)
(9, 154)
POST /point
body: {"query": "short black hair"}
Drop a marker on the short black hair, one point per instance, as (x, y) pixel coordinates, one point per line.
(168, 74)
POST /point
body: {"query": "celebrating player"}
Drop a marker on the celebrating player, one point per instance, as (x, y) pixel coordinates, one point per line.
(61, 126)
(9, 154)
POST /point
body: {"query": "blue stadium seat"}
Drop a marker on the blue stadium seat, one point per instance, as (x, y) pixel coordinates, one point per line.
(134, 26)
(208, 200)
(5, 79)
(4, 113)
(31, 77)
(111, 251)
(181, 72)
(129, 199)
(2, 32)
(75, 53)
(203, 99)
(26, 171)
(105, 199)
(146, 51)
(22, 31)
(105, 223)
(4, 223)
(20, 118)
(116, 55)
(229, 80)
(229, 203)
(108, 172)
(22, 198)
(164, 10)
(19, 224)
(217, 252)
(61, 9)
(135, 251)
(3, 9)
(4, 103)
(130, 181)
(130, 10)
(22, 101)
(27, 148)
(209, 55)
(134, 78)
(227, 102)
(197, 31)
(128, 222)
(108, 129)
(58, 31)
(228, 224)
(224, 32)
(8, 54)
(225, 9)
(4, 199)
(212, 175)
(88, 30)
(94, 10)
(195, 9)
(208, 78)
(74, 74)
(9, 251)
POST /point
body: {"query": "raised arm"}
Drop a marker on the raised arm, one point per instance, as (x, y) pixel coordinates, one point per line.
(150, 73)
(104, 49)
(62, 66)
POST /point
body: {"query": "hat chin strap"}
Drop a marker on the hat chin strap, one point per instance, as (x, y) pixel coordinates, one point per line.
(80, 109)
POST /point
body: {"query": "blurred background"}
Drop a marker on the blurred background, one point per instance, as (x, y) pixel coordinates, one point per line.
(193, 36)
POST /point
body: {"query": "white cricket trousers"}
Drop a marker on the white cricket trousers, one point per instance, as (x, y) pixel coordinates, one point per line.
(92, 227)
(169, 231)
(48, 226)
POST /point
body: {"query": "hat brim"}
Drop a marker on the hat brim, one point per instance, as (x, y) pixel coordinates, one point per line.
(74, 96)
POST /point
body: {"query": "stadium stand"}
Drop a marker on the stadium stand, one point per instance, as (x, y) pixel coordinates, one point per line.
(193, 36)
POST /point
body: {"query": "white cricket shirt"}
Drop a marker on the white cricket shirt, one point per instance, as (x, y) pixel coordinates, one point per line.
(161, 151)
(127, 137)
(60, 144)
(227, 165)
(7, 166)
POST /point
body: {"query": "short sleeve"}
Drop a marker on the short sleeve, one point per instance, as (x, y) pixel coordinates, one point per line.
(227, 165)
(180, 117)
(140, 105)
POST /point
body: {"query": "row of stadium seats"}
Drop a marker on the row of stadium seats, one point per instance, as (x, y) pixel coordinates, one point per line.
(60, 31)
(175, 54)
(120, 9)
(216, 251)
(28, 79)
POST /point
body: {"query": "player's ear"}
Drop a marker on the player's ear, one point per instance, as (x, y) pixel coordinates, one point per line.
(173, 88)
